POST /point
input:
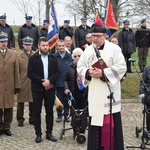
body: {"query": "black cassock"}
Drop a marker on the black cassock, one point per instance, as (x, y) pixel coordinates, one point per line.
(95, 135)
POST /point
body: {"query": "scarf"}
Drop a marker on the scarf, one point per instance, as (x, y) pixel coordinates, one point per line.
(78, 78)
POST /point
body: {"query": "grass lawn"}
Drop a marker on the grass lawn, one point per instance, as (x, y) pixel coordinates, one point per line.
(130, 86)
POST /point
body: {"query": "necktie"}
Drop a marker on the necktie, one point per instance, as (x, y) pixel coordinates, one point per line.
(3, 52)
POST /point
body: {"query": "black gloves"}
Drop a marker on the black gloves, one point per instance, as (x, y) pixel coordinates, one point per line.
(16, 90)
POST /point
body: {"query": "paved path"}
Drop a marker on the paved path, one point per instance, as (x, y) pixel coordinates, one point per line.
(23, 137)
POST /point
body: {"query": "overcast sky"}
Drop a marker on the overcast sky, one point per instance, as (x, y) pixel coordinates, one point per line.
(15, 17)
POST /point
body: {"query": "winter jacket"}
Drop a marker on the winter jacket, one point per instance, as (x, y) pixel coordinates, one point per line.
(142, 36)
(70, 81)
(9, 31)
(31, 31)
(65, 32)
(63, 63)
(146, 79)
(43, 32)
(80, 34)
(126, 40)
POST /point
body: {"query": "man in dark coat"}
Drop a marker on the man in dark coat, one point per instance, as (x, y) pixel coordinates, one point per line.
(28, 29)
(44, 30)
(126, 40)
(142, 37)
(65, 30)
(43, 71)
(7, 29)
(10, 84)
(81, 32)
(64, 58)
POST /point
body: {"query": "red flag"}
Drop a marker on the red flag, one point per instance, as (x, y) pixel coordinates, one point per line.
(110, 21)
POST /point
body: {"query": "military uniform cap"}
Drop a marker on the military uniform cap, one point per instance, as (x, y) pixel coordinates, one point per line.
(66, 21)
(28, 18)
(143, 20)
(83, 19)
(3, 17)
(126, 22)
(3, 36)
(27, 40)
(45, 21)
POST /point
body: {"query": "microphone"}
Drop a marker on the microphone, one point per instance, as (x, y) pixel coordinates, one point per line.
(96, 51)
(131, 60)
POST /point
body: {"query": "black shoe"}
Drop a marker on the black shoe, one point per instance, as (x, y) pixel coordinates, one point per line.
(129, 71)
(51, 138)
(1, 132)
(20, 124)
(38, 139)
(7, 132)
(31, 122)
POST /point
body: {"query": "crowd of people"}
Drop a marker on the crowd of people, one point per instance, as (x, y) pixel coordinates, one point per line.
(91, 68)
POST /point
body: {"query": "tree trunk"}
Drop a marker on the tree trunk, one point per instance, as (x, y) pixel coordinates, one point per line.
(47, 3)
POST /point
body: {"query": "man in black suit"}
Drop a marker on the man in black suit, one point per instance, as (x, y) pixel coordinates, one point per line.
(43, 71)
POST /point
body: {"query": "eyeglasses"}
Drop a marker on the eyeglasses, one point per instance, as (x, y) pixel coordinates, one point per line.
(97, 36)
(76, 56)
(89, 37)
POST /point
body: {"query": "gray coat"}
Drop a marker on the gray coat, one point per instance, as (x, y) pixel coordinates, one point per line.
(126, 40)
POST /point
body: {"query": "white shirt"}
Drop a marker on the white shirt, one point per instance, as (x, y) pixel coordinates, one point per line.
(44, 59)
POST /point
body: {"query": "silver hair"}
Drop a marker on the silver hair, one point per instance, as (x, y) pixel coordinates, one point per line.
(76, 50)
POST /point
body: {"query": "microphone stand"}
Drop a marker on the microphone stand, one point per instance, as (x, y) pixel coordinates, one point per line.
(142, 146)
(111, 97)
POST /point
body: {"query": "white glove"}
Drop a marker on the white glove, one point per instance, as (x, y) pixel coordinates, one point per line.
(141, 96)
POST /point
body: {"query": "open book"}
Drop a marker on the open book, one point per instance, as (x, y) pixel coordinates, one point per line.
(100, 64)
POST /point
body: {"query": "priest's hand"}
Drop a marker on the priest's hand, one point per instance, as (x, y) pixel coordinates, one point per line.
(96, 73)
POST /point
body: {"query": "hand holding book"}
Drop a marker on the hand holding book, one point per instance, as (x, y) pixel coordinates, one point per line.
(100, 64)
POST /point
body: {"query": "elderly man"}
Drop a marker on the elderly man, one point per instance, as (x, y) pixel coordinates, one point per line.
(10, 84)
(28, 29)
(69, 44)
(4, 27)
(110, 69)
(25, 94)
(81, 32)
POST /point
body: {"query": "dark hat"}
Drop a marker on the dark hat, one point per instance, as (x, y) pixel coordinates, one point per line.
(3, 36)
(3, 17)
(27, 40)
(98, 26)
(66, 21)
(83, 19)
(143, 20)
(126, 22)
(28, 18)
(45, 21)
